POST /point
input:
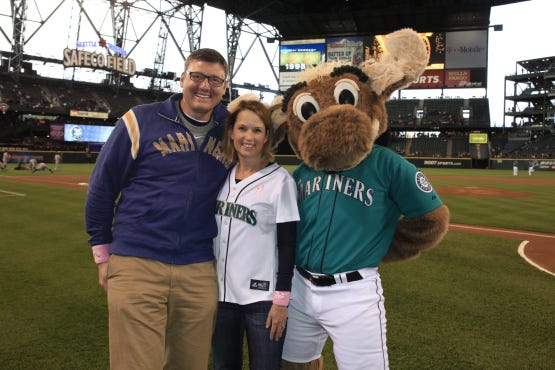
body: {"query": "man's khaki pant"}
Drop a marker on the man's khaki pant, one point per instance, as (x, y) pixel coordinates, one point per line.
(161, 316)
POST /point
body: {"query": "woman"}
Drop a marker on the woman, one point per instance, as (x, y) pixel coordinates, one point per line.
(255, 247)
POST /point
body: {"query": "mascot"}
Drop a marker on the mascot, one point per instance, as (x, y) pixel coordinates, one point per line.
(360, 204)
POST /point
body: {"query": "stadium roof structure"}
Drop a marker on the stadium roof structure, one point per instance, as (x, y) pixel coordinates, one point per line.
(327, 18)
(177, 21)
(538, 65)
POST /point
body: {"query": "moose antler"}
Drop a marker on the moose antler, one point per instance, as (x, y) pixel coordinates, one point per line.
(404, 59)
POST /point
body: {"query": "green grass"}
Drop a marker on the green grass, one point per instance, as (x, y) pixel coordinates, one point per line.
(513, 213)
(471, 303)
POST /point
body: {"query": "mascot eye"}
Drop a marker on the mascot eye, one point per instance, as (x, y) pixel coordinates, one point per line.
(305, 106)
(346, 92)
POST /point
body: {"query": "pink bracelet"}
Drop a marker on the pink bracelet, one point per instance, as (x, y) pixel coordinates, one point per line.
(101, 253)
(281, 298)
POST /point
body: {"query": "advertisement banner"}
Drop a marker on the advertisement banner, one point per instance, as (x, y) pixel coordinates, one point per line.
(57, 131)
(430, 79)
(87, 114)
(466, 49)
(466, 78)
(440, 163)
(87, 133)
(295, 55)
(456, 59)
(345, 49)
(435, 42)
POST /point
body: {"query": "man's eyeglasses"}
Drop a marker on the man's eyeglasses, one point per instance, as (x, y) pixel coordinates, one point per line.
(198, 78)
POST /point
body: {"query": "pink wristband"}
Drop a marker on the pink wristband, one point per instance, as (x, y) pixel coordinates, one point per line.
(101, 253)
(281, 298)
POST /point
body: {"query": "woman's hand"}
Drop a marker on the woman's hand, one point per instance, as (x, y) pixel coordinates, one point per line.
(277, 319)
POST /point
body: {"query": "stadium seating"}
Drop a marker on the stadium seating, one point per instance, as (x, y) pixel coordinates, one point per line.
(440, 130)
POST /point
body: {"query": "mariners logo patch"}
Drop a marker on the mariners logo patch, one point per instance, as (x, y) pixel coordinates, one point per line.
(422, 182)
(260, 285)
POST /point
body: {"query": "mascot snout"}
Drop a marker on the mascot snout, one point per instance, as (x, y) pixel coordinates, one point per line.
(353, 133)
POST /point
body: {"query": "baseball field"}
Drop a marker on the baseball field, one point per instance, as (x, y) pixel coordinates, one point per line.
(483, 299)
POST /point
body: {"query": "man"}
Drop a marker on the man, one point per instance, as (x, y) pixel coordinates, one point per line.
(32, 164)
(41, 167)
(5, 158)
(150, 216)
(57, 161)
(531, 164)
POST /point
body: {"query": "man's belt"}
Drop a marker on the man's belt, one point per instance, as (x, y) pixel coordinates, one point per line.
(327, 280)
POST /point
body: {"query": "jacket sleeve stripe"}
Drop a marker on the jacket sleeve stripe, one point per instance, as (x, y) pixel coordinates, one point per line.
(133, 130)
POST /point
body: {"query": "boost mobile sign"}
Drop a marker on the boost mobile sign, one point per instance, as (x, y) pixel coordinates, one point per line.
(81, 58)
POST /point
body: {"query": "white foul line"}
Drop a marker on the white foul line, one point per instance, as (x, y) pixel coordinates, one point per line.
(12, 193)
(522, 245)
(503, 231)
(523, 255)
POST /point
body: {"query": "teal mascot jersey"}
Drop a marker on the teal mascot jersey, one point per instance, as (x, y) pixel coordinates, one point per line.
(351, 215)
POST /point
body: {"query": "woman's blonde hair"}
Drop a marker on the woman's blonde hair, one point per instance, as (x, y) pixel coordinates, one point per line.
(263, 112)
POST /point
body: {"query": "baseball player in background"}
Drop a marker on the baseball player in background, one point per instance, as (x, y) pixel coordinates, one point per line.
(32, 164)
(531, 165)
(256, 215)
(5, 159)
(57, 161)
(515, 168)
(42, 167)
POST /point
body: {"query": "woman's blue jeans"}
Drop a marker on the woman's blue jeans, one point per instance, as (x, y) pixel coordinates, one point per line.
(232, 322)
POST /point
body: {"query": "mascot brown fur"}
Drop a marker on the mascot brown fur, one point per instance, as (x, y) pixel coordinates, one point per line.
(335, 113)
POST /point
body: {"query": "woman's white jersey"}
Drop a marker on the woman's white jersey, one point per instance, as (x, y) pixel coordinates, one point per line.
(246, 246)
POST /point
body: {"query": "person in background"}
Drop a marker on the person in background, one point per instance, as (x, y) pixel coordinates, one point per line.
(41, 167)
(532, 163)
(149, 214)
(21, 165)
(57, 161)
(256, 215)
(5, 158)
(88, 154)
(515, 168)
(32, 163)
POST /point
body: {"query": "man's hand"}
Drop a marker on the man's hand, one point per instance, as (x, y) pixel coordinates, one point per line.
(103, 276)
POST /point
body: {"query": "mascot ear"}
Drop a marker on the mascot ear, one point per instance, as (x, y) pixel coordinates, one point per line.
(404, 59)
(279, 120)
(234, 104)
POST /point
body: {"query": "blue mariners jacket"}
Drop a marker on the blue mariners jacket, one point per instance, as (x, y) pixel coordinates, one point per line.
(152, 193)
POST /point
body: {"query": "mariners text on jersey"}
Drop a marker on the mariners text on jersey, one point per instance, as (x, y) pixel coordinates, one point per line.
(336, 182)
(183, 142)
(236, 211)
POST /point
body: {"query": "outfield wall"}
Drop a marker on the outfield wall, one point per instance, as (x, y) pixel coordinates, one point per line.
(432, 162)
(421, 162)
(507, 163)
(48, 156)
